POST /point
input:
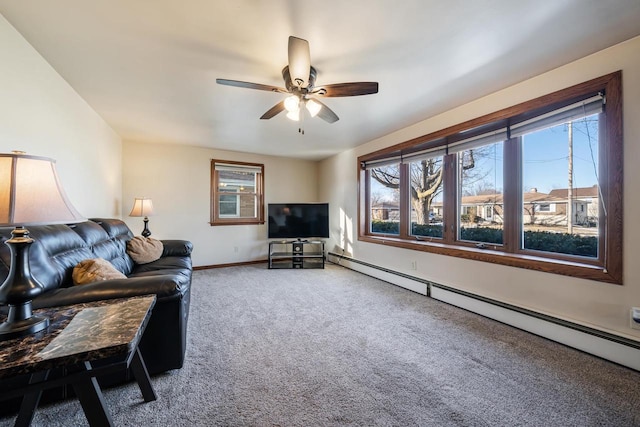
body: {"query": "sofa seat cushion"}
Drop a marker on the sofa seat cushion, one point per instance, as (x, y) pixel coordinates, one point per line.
(182, 276)
(166, 265)
(163, 286)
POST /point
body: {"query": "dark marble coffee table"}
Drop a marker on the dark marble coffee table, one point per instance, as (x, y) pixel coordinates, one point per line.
(77, 337)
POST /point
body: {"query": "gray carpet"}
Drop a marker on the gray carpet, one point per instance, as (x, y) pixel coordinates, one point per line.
(334, 347)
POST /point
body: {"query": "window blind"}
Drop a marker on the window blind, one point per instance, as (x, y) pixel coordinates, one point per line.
(579, 110)
(492, 137)
(575, 111)
(371, 164)
(424, 155)
(237, 168)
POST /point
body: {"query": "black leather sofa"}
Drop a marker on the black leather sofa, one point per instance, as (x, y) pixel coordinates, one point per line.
(59, 248)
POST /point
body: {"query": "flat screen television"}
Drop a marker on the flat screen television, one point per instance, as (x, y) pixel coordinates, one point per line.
(298, 220)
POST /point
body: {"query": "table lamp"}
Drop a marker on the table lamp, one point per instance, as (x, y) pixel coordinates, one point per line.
(30, 194)
(143, 207)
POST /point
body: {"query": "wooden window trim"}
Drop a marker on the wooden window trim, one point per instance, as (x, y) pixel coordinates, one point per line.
(606, 268)
(215, 219)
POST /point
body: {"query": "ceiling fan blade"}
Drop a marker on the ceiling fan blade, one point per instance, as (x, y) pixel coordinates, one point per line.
(248, 85)
(275, 110)
(299, 61)
(347, 89)
(326, 113)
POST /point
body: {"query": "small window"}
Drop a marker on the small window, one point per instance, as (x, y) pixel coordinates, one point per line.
(384, 206)
(480, 183)
(425, 194)
(561, 158)
(236, 193)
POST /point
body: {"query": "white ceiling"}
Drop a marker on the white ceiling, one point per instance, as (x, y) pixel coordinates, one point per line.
(148, 67)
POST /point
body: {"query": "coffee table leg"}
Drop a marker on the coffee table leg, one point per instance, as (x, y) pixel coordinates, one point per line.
(92, 401)
(30, 401)
(139, 370)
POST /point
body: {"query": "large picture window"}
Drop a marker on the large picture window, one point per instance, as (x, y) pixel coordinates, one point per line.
(236, 193)
(537, 185)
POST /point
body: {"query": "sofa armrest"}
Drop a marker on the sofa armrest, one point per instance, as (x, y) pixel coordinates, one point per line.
(176, 248)
(162, 286)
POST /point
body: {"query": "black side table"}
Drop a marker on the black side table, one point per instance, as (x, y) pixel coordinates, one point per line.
(78, 336)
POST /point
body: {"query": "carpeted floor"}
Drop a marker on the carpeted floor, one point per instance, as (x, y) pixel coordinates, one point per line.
(334, 347)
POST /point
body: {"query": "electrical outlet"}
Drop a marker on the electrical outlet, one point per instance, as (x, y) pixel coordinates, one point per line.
(414, 265)
(634, 318)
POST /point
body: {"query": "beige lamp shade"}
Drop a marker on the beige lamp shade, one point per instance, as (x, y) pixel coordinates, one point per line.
(31, 194)
(142, 207)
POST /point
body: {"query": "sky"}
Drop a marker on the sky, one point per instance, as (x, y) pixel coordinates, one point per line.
(546, 157)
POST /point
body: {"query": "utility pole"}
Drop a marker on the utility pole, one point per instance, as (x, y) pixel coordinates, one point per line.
(570, 184)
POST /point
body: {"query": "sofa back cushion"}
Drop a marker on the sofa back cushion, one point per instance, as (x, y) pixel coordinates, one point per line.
(57, 249)
(52, 256)
(108, 240)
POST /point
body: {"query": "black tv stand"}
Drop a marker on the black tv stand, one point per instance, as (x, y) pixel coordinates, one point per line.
(300, 253)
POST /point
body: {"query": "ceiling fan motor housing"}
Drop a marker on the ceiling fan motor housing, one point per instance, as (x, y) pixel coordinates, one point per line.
(291, 87)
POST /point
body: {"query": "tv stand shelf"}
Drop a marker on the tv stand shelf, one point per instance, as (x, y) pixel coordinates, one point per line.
(296, 254)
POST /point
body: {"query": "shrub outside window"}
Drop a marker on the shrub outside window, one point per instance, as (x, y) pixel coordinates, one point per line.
(236, 193)
(537, 185)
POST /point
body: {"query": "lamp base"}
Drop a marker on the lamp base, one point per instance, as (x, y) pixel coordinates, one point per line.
(146, 232)
(16, 326)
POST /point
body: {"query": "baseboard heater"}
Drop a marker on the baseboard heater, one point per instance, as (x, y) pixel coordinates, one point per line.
(618, 349)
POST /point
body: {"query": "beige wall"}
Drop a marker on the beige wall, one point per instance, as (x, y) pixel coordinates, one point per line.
(42, 115)
(595, 304)
(177, 179)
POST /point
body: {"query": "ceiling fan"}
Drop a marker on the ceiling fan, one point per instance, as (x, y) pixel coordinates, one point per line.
(299, 79)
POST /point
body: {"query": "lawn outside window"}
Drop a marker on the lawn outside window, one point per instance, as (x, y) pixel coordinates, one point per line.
(236, 193)
(537, 185)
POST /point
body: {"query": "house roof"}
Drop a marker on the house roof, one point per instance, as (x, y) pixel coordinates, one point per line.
(577, 192)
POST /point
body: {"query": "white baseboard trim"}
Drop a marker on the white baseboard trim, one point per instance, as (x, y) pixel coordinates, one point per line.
(411, 283)
(587, 342)
(621, 350)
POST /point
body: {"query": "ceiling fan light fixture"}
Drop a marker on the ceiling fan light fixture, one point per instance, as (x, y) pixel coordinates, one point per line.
(292, 103)
(294, 115)
(313, 107)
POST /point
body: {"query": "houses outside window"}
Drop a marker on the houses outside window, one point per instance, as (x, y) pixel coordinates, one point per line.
(488, 212)
(236, 193)
(528, 186)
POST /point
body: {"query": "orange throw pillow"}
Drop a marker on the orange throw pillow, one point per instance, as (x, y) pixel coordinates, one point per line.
(95, 270)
